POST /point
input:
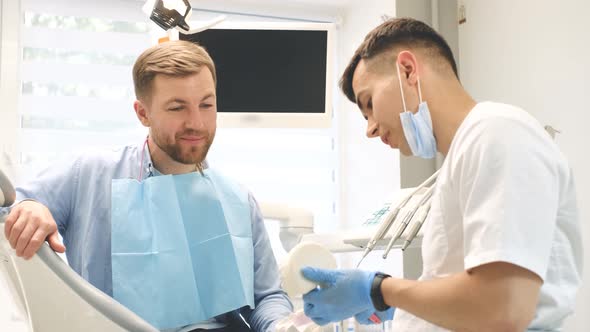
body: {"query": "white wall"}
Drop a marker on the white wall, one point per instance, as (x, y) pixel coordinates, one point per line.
(414, 170)
(369, 169)
(536, 54)
(369, 172)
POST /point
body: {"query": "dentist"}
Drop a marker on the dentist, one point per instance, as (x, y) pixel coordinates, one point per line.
(502, 248)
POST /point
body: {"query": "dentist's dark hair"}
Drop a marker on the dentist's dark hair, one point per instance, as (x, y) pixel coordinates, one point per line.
(398, 34)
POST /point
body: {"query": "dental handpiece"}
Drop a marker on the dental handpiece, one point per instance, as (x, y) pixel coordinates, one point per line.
(390, 220)
(401, 227)
(406, 220)
(386, 225)
(381, 231)
(415, 228)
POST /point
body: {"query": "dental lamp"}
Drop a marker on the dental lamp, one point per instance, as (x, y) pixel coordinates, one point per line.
(168, 14)
(173, 16)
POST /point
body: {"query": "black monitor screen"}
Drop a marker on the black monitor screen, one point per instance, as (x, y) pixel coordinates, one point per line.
(267, 71)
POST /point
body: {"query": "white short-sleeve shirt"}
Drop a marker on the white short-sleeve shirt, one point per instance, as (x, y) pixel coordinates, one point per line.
(505, 193)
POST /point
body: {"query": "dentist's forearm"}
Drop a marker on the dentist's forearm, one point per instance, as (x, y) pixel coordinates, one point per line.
(492, 297)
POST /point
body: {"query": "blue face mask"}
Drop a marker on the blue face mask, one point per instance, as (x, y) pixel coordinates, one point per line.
(418, 127)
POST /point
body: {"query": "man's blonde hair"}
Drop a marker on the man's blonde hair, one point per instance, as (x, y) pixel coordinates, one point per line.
(174, 58)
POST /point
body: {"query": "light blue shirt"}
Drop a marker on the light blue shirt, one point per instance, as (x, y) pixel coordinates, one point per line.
(78, 194)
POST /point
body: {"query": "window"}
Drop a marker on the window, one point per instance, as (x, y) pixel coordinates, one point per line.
(76, 84)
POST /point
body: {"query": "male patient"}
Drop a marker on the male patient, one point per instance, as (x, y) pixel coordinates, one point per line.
(150, 224)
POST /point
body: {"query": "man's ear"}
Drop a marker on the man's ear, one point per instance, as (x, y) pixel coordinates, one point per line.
(141, 112)
(409, 66)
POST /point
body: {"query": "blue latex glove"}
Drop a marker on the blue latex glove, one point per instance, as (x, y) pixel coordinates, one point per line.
(342, 294)
(365, 316)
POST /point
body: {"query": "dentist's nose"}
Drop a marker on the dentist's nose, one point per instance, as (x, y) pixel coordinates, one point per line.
(372, 129)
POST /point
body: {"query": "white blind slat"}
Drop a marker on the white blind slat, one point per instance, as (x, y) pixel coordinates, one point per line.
(79, 108)
(103, 42)
(66, 141)
(89, 75)
(118, 10)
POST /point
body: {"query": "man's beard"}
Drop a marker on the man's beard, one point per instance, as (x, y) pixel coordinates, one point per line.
(195, 155)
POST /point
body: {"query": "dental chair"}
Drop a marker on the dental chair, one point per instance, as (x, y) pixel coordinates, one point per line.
(52, 295)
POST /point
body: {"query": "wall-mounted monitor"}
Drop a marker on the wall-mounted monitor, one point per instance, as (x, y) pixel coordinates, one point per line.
(271, 74)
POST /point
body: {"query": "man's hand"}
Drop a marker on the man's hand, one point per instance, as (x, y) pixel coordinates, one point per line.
(342, 294)
(28, 225)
